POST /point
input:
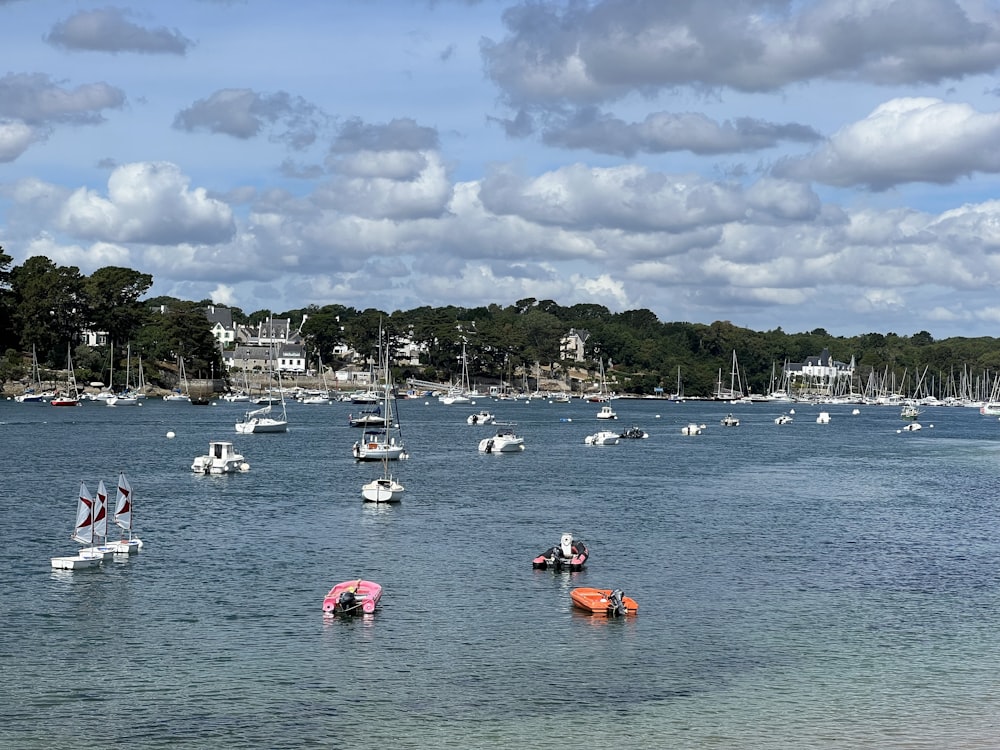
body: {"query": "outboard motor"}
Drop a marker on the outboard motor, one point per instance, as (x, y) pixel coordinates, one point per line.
(616, 607)
(566, 545)
(347, 601)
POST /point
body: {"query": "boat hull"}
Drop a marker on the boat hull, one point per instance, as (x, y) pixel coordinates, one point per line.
(603, 602)
(354, 597)
(386, 490)
(76, 562)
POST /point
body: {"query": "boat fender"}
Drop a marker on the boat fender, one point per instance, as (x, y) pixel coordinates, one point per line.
(368, 606)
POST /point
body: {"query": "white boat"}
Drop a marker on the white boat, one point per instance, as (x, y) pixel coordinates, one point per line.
(730, 421)
(603, 437)
(823, 418)
(909, 411)
(783, 419)
(99, 524)
(912, 427)
(461, 393)
(261, 420)
(83, 533)
(124, 519)
(182, 393)
(34, 394)
(481, 417)
(222, 458)
(383, 443)
(383, 489)
(504, 441)
(691, 429)
(127, 397)
(606, 412)
(237, 397)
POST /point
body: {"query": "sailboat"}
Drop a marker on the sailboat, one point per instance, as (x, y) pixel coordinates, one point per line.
(128, 396)
(383, 443)
(65, 399)
(602, 394)
(99, 525)
(461, 393)
(260, 420)
(83, 533)
(380, 444)
(34, 393)
(129, 545)
(182, 393)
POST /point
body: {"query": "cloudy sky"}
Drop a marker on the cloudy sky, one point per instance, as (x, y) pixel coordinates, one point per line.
(818, 163)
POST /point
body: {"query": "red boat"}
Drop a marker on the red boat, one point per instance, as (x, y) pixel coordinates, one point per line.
(570, 553)
(610, 602)
(352, 597)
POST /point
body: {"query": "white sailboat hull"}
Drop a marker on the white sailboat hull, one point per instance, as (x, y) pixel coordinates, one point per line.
(76, 562)
(126, 546)
(254, 426)
(384, 490)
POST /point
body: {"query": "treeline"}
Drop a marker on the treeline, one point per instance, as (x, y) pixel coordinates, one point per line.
(45, 307)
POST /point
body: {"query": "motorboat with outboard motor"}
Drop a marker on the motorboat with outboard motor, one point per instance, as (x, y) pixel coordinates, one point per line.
(569, 554)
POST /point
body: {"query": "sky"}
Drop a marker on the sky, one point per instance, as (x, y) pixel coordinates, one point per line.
(798, 165)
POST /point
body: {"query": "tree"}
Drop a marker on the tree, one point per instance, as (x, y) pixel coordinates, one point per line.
(49, 306)
(113, 298)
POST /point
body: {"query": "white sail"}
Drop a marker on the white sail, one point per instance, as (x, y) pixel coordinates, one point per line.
(123, 507)
(100, 524)
(84, 531)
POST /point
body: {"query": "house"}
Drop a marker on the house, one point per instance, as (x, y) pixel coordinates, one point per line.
(223, 329)
(571, 346)
(822, 369)
(288, 357)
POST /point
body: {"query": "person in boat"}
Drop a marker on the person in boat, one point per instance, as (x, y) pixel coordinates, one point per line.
(570, 552)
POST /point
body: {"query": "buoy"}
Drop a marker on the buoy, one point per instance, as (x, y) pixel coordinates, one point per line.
(170, 434)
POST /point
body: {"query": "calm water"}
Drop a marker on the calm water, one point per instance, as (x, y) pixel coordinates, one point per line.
(802, 586)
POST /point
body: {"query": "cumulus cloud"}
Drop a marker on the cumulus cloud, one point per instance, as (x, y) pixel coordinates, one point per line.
(244, 114)
(665, 131)
(904, 140)
(110, 30)
(147, 202)
(15, 137)
(600, 51)
(36, 99)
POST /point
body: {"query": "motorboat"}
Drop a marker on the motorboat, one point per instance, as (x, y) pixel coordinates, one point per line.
(606, 412)
(691, 429)
(634, 433)
(912, 427)
(823, 418)
(783, 419)
(603, 437)
(481, 417)
(609, 602)
(504, 441)
(222, 458)
(353, 597)
(730, 421)
(569, 554)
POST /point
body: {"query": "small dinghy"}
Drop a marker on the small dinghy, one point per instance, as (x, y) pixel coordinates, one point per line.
(634, 433)
(569, 554)
(609, 602)
(352, 597)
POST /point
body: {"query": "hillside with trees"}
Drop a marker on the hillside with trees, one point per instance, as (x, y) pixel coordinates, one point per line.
(44, 306)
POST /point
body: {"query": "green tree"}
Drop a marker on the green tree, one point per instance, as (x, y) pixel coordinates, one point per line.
(49, 306)
(113, 297)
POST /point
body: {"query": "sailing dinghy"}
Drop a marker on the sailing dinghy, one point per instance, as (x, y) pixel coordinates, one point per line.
(129, 545)
(83, 533)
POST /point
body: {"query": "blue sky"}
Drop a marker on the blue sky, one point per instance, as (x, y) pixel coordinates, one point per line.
(776, 164)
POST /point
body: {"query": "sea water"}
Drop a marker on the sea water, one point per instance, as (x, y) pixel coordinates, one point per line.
(799, 586)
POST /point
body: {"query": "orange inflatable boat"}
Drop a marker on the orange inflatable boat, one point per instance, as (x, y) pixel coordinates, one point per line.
(610, 602)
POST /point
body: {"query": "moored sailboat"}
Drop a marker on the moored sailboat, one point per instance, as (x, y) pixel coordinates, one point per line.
(125, 519)
(83, 533)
